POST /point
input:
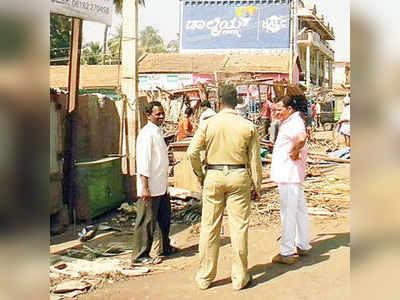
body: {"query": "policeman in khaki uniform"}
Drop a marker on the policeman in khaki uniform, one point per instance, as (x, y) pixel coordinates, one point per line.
(233, 177)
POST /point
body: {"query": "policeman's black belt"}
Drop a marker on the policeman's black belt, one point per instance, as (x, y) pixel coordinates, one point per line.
(229, 167)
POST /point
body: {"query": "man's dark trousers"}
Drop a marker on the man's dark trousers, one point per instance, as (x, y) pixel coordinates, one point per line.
(158, 210)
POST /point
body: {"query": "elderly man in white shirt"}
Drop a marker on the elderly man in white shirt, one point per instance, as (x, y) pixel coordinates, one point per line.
(152, 181)
(208, 113)
(344, 122)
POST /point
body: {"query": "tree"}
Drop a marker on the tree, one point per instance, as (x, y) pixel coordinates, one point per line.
(114, 45)
(150, 41)
(60, 36)
(173, 46)
(91, 54)
(118, 10)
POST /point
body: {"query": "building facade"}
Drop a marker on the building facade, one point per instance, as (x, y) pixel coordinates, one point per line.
(315, 52)
(341, 73)
(275, 27)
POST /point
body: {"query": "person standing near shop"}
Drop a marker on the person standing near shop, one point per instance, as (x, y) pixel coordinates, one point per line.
(288, 171)
(318, 114)
(266, 114)
(275, 122)
(153, 205)
(185, 127)
(344, 122)
(207, 113)
(233, 176)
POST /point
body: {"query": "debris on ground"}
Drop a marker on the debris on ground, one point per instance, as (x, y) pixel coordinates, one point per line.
(183, 194)
(87, 233)
(80, 275)
(127, 208)
(188, 212)
(81, 267)
(326, 194)
(342, 153)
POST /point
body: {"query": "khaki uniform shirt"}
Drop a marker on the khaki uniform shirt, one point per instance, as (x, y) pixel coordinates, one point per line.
(228, 139)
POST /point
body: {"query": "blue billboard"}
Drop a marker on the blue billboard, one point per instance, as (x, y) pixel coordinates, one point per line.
(230, 26)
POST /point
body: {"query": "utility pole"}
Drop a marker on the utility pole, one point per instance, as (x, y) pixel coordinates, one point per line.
(73, 92)
(129, 84)
(293, 32)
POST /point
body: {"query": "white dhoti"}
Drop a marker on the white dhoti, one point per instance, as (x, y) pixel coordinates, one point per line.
(345, 128)
(294, 219)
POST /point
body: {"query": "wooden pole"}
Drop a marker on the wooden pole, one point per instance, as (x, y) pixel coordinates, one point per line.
(129, 79)
(73, 92)
(74, 64)
(291, 46)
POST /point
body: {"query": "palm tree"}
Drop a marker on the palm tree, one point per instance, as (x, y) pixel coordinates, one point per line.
(173, 46)
(91, 54)
(114, 45)
(150, 41)
(118, 9)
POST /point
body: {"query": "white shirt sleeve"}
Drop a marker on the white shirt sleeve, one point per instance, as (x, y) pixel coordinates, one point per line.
(143, 155)
(296, 127)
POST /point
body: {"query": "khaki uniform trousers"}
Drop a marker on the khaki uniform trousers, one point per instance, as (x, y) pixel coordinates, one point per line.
(230, 188)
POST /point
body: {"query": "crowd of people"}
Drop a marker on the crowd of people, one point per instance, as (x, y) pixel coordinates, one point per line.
(230, 176)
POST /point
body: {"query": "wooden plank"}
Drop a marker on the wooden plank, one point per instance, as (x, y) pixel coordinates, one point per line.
(333, 159)
(183, 193)
(64, 247)
(74, 64)
(184, 176)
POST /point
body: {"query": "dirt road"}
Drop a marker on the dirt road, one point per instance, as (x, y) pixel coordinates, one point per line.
(323, 275)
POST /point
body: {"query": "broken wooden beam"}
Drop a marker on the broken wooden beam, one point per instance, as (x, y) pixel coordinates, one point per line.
(64, 247)
(332, 159)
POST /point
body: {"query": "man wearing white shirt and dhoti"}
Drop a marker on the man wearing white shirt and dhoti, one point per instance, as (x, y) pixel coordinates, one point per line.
(153, 205)
(288, 169)
(344, 122)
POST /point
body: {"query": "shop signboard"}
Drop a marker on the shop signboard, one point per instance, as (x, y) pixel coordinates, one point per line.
(231, 26)
(90, 10)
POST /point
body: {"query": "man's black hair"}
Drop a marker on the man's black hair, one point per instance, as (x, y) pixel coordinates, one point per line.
(206, 104)
(188, 111)
(149, 107)
(228, 95)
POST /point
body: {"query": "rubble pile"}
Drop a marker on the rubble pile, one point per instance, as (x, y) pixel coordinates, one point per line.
(170, 128)
(186, 212)
(325, 194)
(69, 277)
(321, 146)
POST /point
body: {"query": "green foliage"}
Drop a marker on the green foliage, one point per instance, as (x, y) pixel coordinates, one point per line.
(60, 36)
(150, 41)
(173, 46)
(92, 54)
(118, 4)
(114, 47)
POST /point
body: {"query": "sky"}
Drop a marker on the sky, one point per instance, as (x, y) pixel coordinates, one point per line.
(163, 15)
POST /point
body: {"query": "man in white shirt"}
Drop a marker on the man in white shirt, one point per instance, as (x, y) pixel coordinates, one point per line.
(241, 108)
(318, 114)
(208, 113)
(344, 122)
(153, 205)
